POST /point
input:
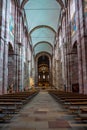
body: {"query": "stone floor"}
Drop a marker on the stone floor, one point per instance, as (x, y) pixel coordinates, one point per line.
(43, 113)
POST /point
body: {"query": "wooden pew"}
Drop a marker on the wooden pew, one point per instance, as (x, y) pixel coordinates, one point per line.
(83, 113)
(72, 101)
(3, 116)
(11, 103)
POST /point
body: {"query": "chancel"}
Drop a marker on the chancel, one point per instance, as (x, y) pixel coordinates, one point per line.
(43, 64)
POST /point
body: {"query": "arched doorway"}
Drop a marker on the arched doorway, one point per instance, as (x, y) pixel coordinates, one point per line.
(75, 80)
(43, 72)
(10, 67)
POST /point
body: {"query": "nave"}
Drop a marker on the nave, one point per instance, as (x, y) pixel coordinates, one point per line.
(43, 46)
(43, 112)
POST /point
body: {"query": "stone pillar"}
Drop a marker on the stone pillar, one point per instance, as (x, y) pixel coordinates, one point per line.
(54, 72)
(82, 64)
(33, 70)
(85, 64)
(4, 12)
(36, 72)
(56, 75)
(84, 42)
(50, 72)
(59, 81)
(14, 42)
(20, 69)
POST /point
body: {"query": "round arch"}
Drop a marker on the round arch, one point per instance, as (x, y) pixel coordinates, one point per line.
(59, 1)
(42, 26)
(74, 68)
(41, 54)
(44, 52)
(42, 43)
(47, 29)
(50, 65)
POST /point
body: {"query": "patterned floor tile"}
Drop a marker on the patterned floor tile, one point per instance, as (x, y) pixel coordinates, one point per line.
(40, 112)
(59, 124)
(44, 113)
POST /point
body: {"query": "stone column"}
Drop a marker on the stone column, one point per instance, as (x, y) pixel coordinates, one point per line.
(54, 72)
(36, 72)
(4, 12)
(50, 72)
(82, 64)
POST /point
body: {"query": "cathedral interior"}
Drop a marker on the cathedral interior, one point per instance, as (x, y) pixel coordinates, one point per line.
(43, 64)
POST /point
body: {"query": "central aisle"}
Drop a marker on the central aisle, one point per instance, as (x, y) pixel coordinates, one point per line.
(41, 113)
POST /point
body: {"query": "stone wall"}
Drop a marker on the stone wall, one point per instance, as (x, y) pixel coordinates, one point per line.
(75, 64)
(14, 35)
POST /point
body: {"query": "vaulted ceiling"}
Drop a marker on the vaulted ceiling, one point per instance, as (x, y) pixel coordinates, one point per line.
(43, 21)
